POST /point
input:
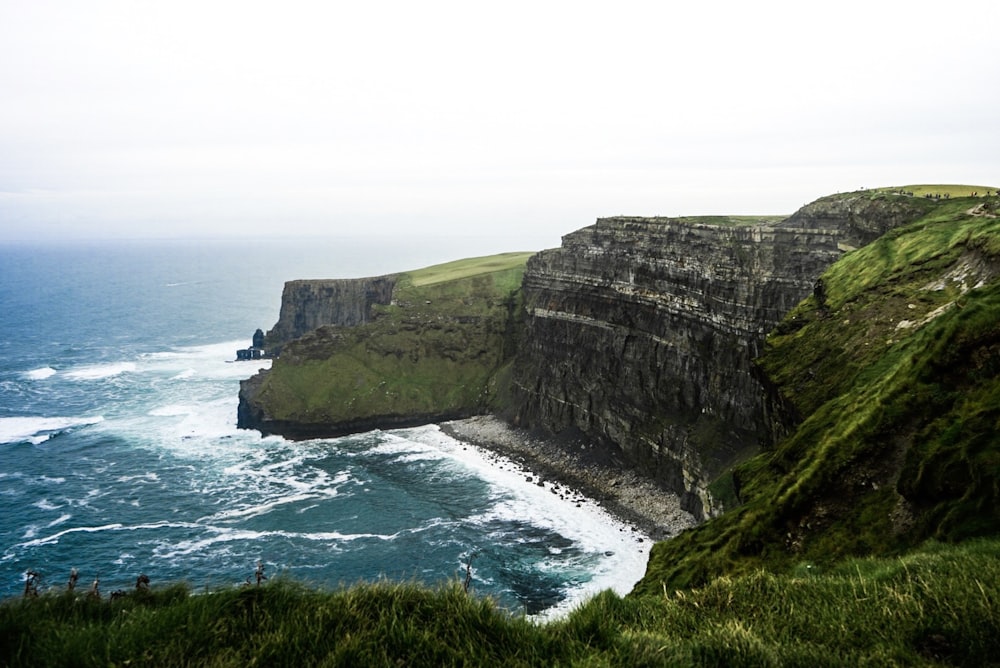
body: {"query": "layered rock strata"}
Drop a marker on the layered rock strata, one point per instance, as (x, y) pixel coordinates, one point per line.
(641, 332)
(310, 304)
(638, 334)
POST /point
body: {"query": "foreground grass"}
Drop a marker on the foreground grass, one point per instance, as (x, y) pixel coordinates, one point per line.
(939, 605)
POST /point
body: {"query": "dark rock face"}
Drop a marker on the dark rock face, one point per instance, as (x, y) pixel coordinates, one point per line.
(309, 304)
(641, 334)
(861, 218)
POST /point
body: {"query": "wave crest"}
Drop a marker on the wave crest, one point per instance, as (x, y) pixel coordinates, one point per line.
(36, 430)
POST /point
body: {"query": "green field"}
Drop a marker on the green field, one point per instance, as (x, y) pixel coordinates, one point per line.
(452, 271)
(943, 189)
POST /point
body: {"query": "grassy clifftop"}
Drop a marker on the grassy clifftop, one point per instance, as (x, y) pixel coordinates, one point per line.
(435, 352)
(893, 369)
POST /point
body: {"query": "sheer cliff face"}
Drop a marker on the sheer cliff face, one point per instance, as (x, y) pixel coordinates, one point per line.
(641, 332)
(309, 304)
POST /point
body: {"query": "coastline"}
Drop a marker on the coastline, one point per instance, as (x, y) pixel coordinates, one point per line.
(635, 500)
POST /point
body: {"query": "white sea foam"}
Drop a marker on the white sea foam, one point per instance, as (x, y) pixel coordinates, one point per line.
(40, 374)
(275, 485)
(141, 477)
(39, 429)
(406, 450)
(54, 538)
(205, 429)
(45, 504)
(227, 535)
(213, 361)
(116, 526)
(59, 520)
(172, 410)
(260, 508)
(614, 553)
(99, 371)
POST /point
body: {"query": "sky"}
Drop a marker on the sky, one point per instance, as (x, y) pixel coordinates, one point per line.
(515, 120)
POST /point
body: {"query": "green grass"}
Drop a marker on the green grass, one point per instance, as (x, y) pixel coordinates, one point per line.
(468, 267)
(938, 605)
(942, 189)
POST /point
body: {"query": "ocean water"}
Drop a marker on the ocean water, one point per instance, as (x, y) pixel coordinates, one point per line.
(119, 452)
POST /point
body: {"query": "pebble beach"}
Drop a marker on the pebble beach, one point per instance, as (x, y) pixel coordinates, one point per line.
(634, 499)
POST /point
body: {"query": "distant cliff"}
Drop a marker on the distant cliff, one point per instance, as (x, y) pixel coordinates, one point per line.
(831, 379)
(392, 351)
(309, 304)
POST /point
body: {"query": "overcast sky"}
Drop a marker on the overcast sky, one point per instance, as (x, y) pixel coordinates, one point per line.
(175, 118)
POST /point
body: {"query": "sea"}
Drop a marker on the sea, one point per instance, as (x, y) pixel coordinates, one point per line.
(120, 456)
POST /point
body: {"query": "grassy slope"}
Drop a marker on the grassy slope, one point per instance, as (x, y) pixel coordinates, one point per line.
(435, 350)
(468, 267)
(896, 373)
(943, 189)
(938, 605)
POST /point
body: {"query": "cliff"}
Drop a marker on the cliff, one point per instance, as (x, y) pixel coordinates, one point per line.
(641, 332)
(893, 372)
(638, 334)
(395, 351)
(310, 304)
(836, 401)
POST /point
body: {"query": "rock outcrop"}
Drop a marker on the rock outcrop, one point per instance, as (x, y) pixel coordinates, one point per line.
(860, 217)
(640, 334)
(309, 304)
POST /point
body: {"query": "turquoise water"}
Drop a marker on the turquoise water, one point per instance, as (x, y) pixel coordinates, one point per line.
(119, 453)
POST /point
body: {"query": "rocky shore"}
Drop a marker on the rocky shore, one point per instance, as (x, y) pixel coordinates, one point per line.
(580, 467)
